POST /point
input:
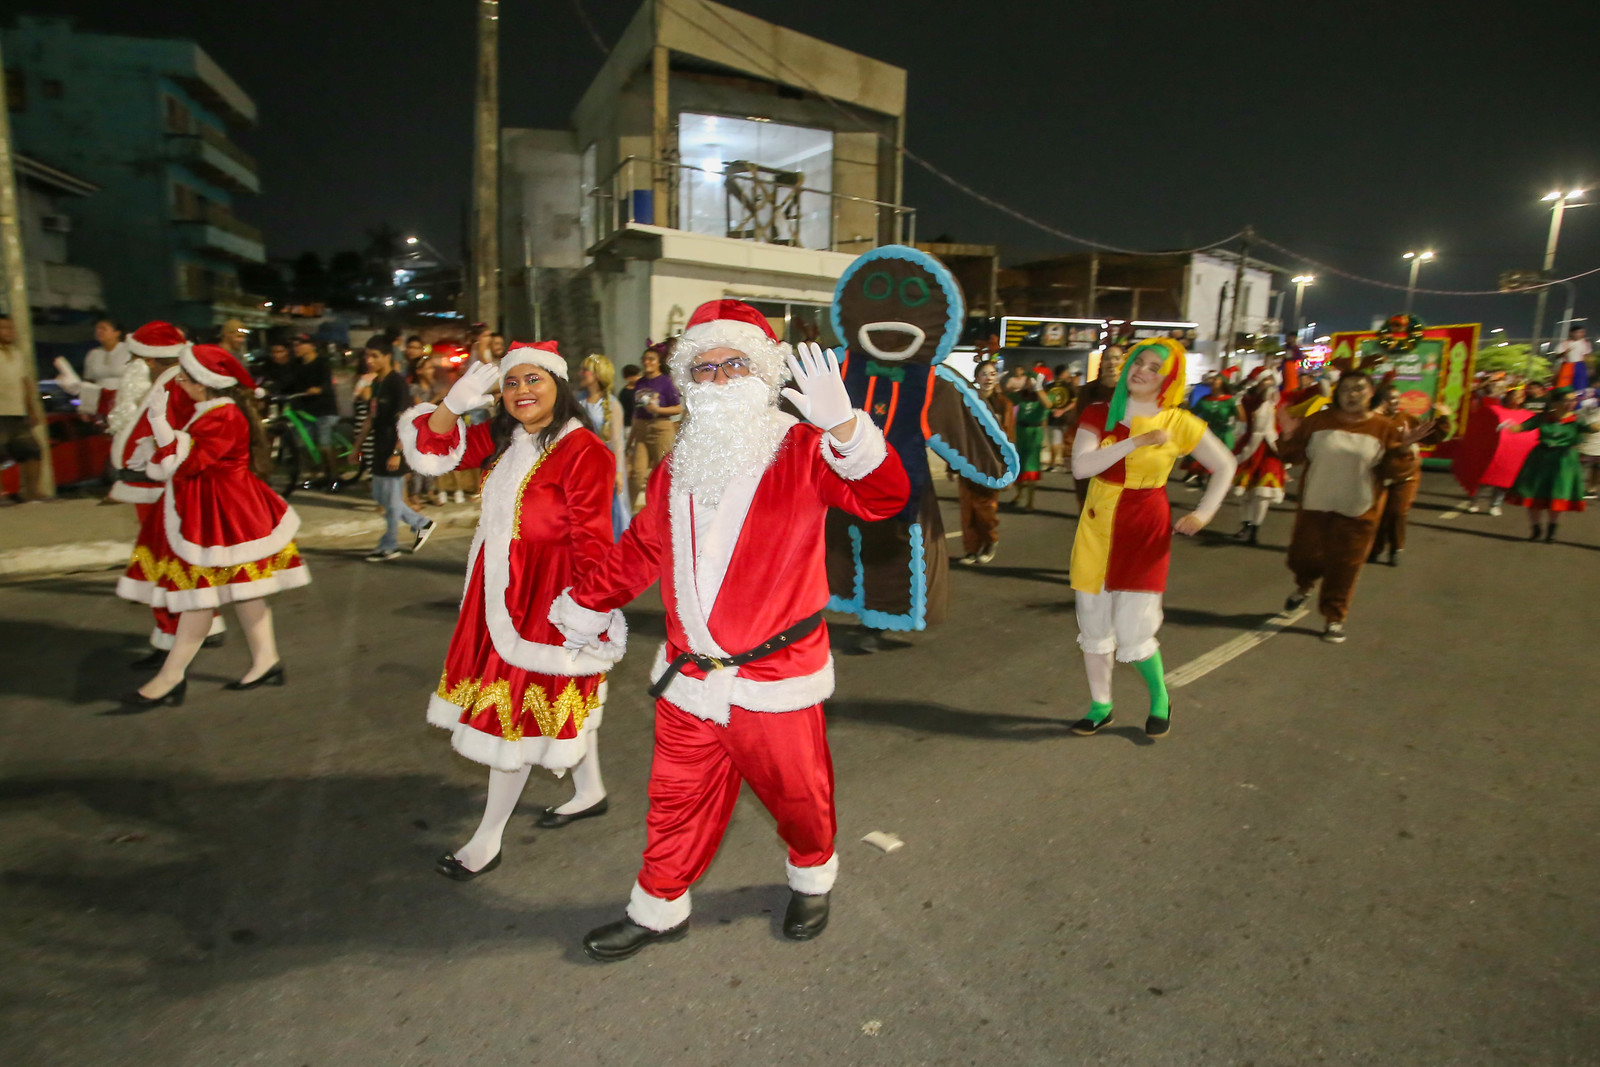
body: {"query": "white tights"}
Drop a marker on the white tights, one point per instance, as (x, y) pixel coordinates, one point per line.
(505, 789)
(193, 626)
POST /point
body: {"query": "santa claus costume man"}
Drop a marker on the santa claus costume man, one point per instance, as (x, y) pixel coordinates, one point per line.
(511, 695)
(223, 536)
(154, 348)
(732, 528)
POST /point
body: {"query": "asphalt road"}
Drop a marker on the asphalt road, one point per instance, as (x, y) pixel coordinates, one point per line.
(1382, 853)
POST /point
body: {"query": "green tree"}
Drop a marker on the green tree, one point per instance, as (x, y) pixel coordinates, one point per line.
(1511, 359)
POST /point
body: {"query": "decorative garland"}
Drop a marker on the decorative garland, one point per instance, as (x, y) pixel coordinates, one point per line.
(1399, 334)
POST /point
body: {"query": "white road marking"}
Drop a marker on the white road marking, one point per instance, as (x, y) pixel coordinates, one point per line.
(1198, 668)
(1451, 514)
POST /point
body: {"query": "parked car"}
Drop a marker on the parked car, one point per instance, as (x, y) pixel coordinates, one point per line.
(78, 450)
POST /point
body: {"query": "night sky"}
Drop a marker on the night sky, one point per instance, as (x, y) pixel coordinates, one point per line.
(1349, 132)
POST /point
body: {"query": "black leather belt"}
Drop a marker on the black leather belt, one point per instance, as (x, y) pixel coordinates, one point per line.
(712, 663)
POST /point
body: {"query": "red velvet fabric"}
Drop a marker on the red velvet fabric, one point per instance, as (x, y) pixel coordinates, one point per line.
(694, 784)
(777, 574)
(563, 528)
(220, 502)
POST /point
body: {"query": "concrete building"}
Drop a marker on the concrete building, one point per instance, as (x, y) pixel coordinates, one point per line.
(49, 202)
(702, 162)
(149, 122)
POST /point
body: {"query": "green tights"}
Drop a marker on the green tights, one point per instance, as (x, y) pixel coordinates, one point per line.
(1154, 675)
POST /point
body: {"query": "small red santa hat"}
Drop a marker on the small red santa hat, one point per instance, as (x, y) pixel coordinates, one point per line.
(731, 324)
(214, 367)
(542, 354)
(159, 340)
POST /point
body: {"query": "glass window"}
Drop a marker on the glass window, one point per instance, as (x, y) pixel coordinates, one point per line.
(783, 198)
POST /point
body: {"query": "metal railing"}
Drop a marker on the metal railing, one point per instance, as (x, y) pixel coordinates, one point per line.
(745, 201)
(213, 214)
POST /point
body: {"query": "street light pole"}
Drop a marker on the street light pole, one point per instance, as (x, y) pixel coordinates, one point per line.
(486, 170)
(1558, 209)
(1300, 283)
(1417, 259)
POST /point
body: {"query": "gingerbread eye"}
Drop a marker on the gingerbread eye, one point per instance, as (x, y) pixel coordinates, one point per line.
(878, 285)
(914, 292)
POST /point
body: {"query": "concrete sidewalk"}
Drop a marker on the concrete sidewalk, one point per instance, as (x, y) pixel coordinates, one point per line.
(60, 536)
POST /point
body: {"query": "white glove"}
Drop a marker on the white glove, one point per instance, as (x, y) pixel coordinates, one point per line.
(161, 429)
(821, 396)
(68, 378)
(474, 389)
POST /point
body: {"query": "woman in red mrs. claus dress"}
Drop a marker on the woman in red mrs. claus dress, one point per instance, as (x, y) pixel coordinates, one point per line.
(218, 535)
(511, 694)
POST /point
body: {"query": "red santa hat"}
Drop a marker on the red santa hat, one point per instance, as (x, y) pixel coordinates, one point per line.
(214, 367)
(542, 354)
(736, 325)
(159, 340)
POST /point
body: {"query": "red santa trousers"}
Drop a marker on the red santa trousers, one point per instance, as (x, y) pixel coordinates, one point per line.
(694, 784)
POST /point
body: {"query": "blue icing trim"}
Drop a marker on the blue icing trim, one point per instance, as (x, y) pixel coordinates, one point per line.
(947, 283)
(917, 617)
(985, 417)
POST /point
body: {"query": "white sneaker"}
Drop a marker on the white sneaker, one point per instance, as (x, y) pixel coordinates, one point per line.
(1494, 509)
(1334, 634)
(1471, 509)
(422, 536)
(461, 497)
(383, 557)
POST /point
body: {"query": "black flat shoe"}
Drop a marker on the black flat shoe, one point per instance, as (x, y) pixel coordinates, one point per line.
(454, 870)
(807, 916)
(214, 640)
(551, 819)
(1087, 727)
(621, 939)
(1157, 727)
(154, 658)
(273, 676)
(136, 702)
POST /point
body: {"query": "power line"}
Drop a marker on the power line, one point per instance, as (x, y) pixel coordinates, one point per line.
(588, 24)
(1331, 269)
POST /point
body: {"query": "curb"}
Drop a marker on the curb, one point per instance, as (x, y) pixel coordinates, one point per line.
(38, 560)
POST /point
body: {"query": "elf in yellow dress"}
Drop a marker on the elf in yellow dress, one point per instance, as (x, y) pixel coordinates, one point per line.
(1127, 448)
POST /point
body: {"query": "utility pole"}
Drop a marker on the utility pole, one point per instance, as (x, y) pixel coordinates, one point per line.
(660, 132)
(1238, 290)
(1557, 210)
(16, 270)
(486, 171)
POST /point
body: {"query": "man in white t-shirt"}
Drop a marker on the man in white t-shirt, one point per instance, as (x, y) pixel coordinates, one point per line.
(1574, 353)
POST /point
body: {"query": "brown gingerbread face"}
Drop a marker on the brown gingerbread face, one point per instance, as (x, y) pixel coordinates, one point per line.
(894, 309)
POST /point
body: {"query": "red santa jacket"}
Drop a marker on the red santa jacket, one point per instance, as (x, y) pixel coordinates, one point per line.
(132, 449)
(776, 573)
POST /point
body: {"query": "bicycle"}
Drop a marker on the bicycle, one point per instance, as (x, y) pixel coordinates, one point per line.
(294, 442)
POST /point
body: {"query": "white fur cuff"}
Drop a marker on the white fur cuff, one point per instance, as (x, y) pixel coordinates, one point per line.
(576, 621)
(813, 881)
(429, 464)
(859, 456)
(653, 913)
(164, 468)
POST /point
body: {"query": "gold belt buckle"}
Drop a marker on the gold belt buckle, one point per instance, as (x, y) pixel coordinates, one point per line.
(716, 664)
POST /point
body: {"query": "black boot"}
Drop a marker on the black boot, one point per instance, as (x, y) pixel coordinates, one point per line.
(1537, 530)
(1255, 533)
(807, 916)
(621, 939)
(1550, 533)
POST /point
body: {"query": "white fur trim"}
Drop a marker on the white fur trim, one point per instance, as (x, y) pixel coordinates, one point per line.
(813, 881)
(163, 469)
(161, 640)
(685, 591)
(157, 351)
(656, 914)
(201, 373)
(558, 754)
(135, 493)
(573, 620)
(866, 450)
(226, 555)
(502, 507)
(429, 464)
(712, 697)
(538, 357)
(119, 444)
(180, 600)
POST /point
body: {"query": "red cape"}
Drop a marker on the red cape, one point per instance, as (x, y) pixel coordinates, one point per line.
(1485, 454)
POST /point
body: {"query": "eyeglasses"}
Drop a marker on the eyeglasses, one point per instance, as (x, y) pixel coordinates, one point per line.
(736, 367)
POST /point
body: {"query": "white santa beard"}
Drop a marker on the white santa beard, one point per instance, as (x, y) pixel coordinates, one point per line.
(729, 430)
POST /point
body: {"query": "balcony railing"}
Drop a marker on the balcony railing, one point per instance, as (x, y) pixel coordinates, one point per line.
(745, 201)
(220, 217)
(217, 157)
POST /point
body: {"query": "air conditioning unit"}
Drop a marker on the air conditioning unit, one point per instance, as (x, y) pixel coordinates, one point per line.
(55, 223)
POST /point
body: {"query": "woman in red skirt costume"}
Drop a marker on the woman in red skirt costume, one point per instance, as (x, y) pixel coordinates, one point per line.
(220, 535)
(511, 694)
(1258, 481)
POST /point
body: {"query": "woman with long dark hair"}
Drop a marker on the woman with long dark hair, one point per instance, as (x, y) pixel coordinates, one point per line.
(1551, 478)
(511, 694)
(224, 536)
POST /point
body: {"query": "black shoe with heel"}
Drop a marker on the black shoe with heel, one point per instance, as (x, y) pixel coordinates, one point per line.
(273, 676)
(154, 658)
(136, 702)
(457, 871)
(551, 819)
